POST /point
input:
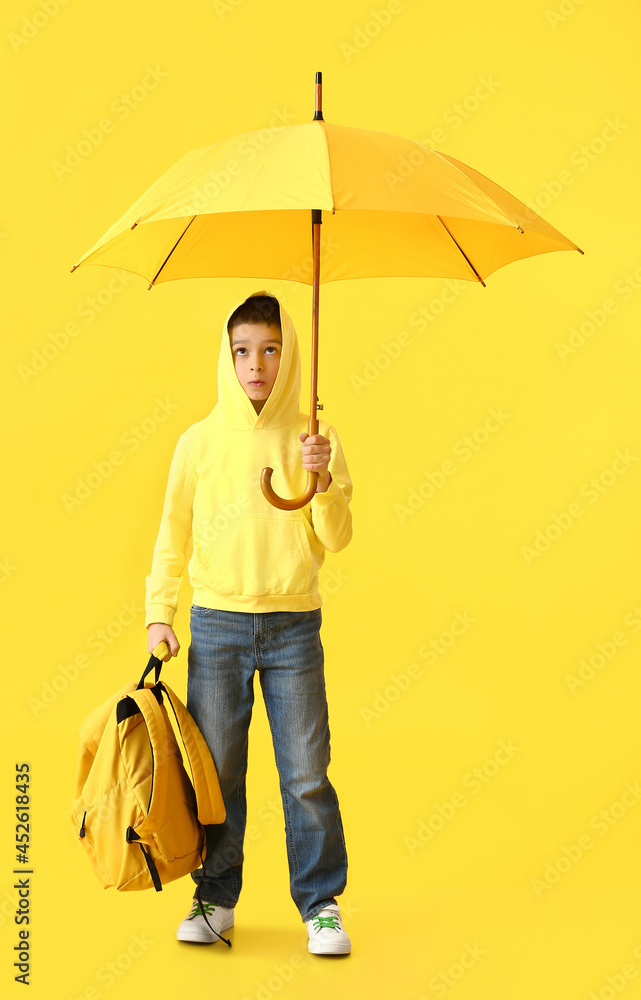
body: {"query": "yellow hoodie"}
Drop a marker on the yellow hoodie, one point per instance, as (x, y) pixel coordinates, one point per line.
(247, 555)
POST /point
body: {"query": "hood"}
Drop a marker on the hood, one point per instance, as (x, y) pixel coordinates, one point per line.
(234, 408)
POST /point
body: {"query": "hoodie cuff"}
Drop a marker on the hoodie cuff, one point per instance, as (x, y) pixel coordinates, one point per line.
(329, 497)
(159, 613)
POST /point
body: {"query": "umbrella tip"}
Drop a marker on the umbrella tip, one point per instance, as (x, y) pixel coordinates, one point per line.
(318, 113)
(73, 268)
(580, 250)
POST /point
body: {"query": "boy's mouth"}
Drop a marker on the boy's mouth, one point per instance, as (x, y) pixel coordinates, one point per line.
(257, 383)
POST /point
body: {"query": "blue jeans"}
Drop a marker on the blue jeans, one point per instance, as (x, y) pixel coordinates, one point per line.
(285, 647)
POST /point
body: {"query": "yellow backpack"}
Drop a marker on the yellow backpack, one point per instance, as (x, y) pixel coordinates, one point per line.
(135, 810)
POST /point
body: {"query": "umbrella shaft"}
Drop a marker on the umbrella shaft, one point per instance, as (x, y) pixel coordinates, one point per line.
(316, 224)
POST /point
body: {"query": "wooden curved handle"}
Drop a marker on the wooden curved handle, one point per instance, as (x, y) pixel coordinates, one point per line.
(312, 477)
(282, 504)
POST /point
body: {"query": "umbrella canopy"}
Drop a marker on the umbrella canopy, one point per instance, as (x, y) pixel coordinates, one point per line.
(394, 207)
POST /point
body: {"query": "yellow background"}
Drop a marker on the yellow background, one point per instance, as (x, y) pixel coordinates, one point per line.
(412, 907)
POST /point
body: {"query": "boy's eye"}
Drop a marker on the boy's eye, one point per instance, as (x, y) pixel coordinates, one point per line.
(239, 349)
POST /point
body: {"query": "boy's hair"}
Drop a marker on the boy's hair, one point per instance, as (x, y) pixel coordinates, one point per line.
(256, 309)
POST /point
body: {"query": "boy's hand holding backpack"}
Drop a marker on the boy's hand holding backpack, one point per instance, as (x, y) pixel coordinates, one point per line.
(159, 632)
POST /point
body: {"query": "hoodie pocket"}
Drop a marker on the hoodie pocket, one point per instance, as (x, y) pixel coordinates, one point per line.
(258, 555)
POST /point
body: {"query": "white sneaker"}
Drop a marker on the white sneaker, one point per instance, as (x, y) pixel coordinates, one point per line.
(194, 927)
(326, 932)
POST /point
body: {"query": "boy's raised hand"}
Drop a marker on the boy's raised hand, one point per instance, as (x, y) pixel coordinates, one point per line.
(157, 632)
(317, 451)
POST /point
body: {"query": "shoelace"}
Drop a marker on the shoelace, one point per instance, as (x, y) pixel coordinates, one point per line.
(201, 909)
(332, 922)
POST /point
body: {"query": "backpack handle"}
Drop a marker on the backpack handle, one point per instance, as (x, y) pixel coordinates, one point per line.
(155, 660)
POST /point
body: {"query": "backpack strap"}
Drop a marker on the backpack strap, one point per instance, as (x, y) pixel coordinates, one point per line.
(155, 660)
(155, 723)
(211, 808)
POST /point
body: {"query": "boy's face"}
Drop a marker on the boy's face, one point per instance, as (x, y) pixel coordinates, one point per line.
(256, 350)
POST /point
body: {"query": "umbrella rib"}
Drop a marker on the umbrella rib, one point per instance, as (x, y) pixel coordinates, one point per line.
(462, 251)
(447, 159)
(171, 251)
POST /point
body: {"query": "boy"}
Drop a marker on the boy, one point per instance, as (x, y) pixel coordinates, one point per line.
(256, 606)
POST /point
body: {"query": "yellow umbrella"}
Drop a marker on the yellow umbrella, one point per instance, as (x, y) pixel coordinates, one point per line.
(396, 208)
